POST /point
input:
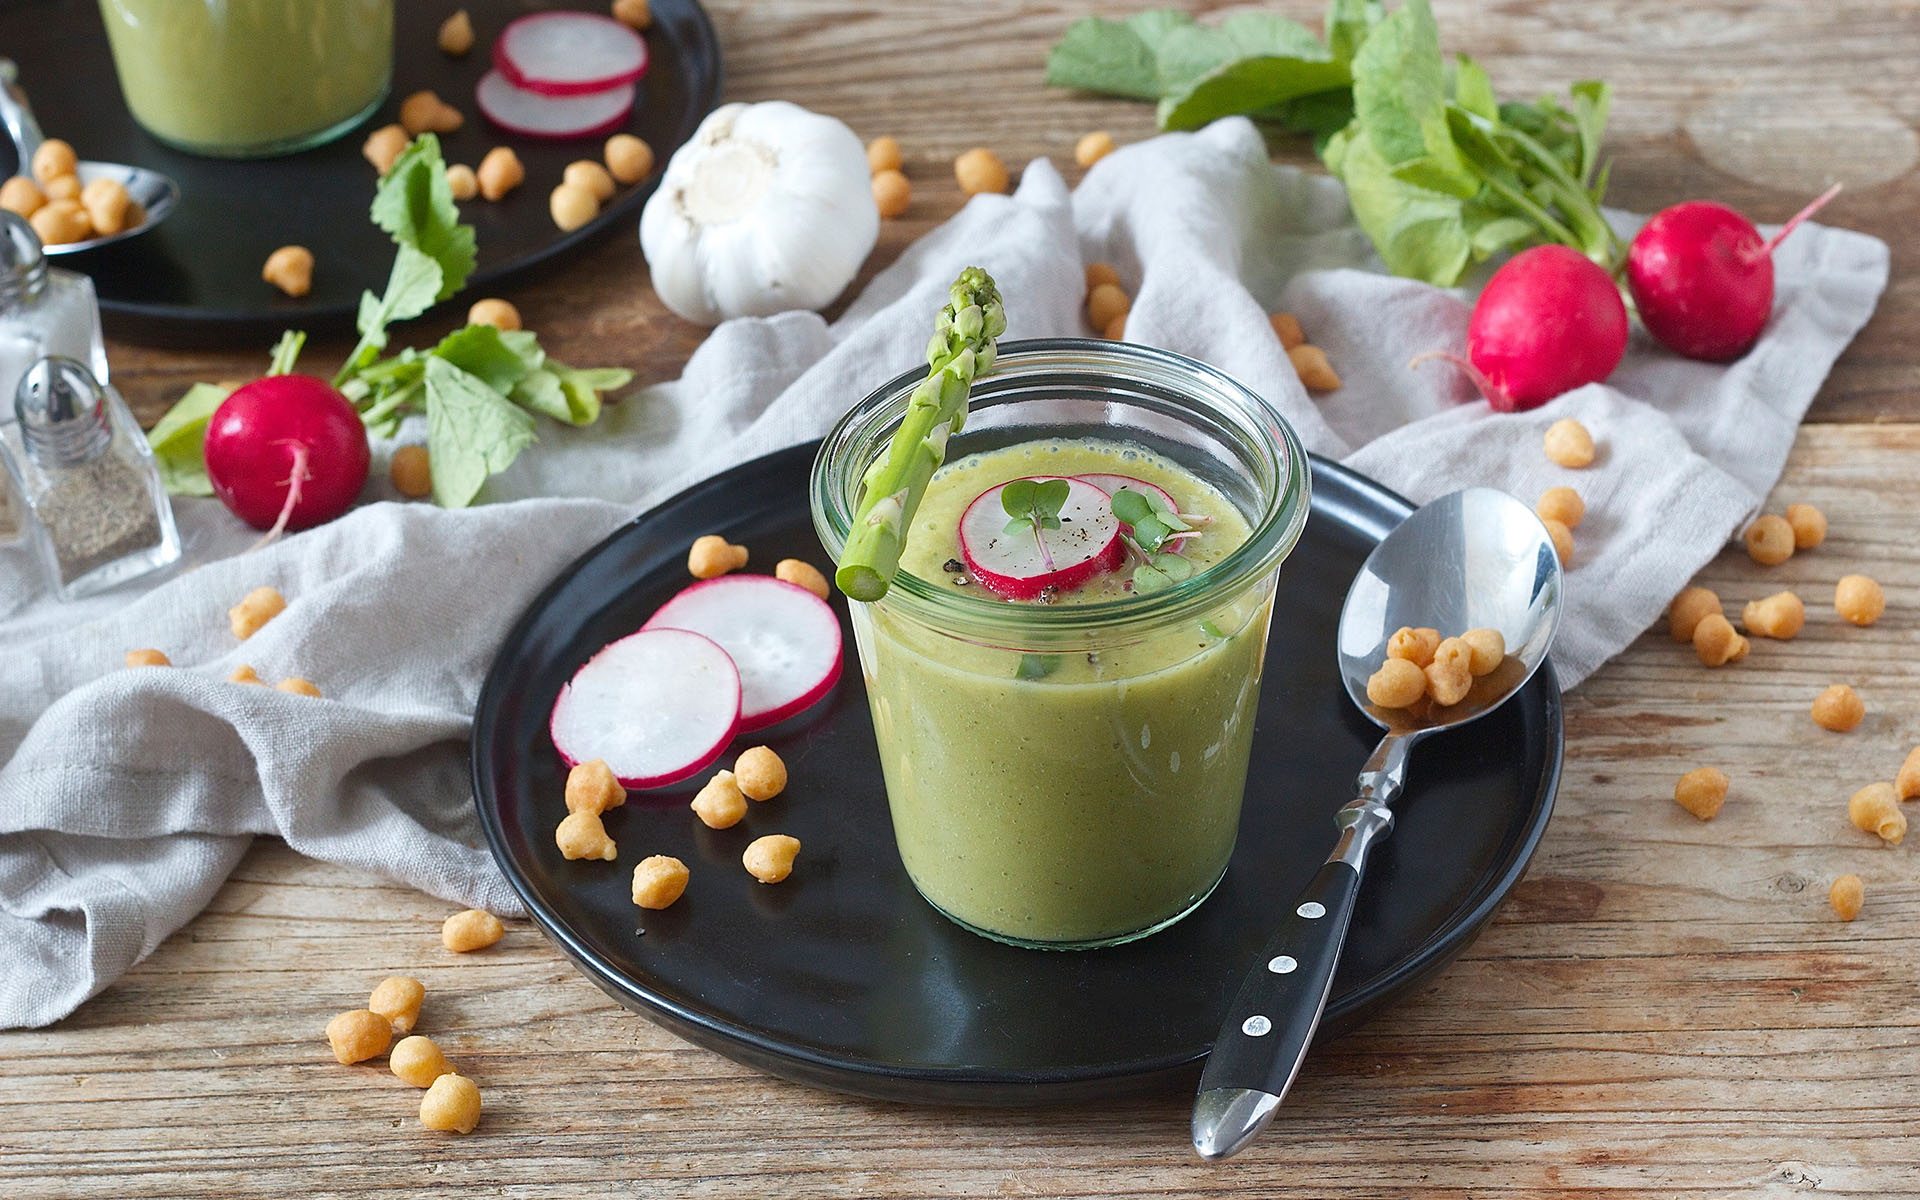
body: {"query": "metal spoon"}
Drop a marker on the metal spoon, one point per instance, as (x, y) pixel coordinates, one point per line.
(1474, 559)
(155, 193)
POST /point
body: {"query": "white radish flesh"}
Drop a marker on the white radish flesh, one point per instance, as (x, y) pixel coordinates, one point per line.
(569, 53)
(1023, 563)
(533, 115)
(784, 640)
(1113, 483)
(659, 706)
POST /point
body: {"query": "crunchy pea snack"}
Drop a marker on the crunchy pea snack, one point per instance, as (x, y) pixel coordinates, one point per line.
(659, 880)
(1875, 809)
(1450, 674)
(451, 1105)
(628, 158)
(1907, 783)
(473, 929)
(1780, 615)
(1311, 365)
(1105, 301)
(1809, 527)
(803, 574)
(711, 556)
(501, 314)
(147, 658)
(883, 154)
(1568, 444)
(1414, 645)
(1839, 708)
(980, 170)
(290, 268)
(1093, 147)
(1859, 599)
(1716, 642)
(892, 193)
(592, 787)
(1701, 792)
(1397, 684)
(456, 34)
(1286, 327)
(246, 674)
(760, 773)
(770, 859)
(1561, 504)
(1562, 541)
(583, 835)
(261, 605)
(500, 172)
(1688, 609)
(297, 686)
(721, 804)
(1847, 895)
(397, 998)
(1489, 650)
(383, 146)
(358, 1035)
(1769, 540)
(419, 1061)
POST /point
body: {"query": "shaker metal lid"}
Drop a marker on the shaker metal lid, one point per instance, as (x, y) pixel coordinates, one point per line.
(62, 412)
(23, 265)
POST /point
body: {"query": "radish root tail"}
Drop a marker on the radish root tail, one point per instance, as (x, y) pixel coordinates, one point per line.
(1475, 375)
(294, 480)
(1767, 247)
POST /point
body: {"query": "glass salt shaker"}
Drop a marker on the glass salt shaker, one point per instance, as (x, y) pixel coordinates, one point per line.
(94, 508)
(43, 311)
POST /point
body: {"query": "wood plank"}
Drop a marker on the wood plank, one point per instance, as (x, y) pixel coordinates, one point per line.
(1754, 104)
(1666, 1008)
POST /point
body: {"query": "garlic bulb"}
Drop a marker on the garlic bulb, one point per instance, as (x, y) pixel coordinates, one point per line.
(767, 208)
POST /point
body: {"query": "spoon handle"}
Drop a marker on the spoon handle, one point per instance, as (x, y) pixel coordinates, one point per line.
(17, 115)
(1272, 1020)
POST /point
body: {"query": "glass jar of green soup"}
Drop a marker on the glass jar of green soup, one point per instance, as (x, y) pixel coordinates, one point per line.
(250, 78)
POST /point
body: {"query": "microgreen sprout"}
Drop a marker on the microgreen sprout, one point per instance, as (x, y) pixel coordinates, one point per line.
(1036, 666)
(1152, 525)
(1034, 505)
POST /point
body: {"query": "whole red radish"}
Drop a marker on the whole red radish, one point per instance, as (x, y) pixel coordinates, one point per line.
(286, 452)
(1549, 321)
(1702, 277)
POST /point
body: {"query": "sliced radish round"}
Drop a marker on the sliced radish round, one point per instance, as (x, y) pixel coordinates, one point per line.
(1022, 564)
(1113, 483)
(569, 53)
(532, 115)
(784, 640)
(658, 706)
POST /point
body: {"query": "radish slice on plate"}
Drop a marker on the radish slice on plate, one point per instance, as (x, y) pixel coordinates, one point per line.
(569, 53)
(658, 706)
(784, 639)
(1113, 483)
(1023, 563)
(531, 114)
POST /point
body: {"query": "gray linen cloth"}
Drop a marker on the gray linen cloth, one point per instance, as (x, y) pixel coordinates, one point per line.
(128, 795)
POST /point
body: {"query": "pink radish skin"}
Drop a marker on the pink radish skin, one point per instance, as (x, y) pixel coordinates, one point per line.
(556, 118)
(783, 639)
(1702, 277)
(659, 706)
(1549, 321)
(569, 54)
(286, 452)
(1019, 566)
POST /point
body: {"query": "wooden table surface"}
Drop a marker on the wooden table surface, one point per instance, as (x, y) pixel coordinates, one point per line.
(1664, 1008)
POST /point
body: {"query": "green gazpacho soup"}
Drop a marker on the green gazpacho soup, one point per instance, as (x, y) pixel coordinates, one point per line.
(1074, 798)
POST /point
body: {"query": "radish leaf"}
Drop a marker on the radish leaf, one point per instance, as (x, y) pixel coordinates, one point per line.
(472, 432)
(178, 438)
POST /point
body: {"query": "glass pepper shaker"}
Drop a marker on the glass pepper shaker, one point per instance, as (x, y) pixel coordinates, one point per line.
(43, 311)
(94, 507)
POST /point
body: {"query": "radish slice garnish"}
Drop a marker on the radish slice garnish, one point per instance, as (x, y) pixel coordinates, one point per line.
(658, 706)
(1110, 484)
(532, 115)
(784, 640)
(1024, 562)
(569, 54)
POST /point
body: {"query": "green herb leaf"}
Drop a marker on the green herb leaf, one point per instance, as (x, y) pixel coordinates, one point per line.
(1211, 630)
(1098, 55)
(178, 438)
(1417, 232)
(1131, 507)
(414, 204)
(1173, 567)
(412, 286)
(1473, 90)
(1400, 95)
(1251, 84)
(472, 432)
(481, 351)
(1348, 24)
(1148, 579)
(1592, 102)
(540, 391)
(1036, 666)
(286, 352)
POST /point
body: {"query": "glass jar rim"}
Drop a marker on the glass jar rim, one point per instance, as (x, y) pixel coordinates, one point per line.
(1276, 529)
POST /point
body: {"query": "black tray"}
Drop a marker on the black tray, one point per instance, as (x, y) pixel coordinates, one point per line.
(843, 977)
(195, 279)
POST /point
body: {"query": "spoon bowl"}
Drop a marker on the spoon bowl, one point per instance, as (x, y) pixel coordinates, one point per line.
(1475, 559)
(155, 194)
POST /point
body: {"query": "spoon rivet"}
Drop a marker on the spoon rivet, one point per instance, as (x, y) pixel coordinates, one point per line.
(1256, 1026)
(1312, 910)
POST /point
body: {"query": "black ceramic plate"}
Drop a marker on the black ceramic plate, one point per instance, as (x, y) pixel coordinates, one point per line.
(843, 977)
(196, 278)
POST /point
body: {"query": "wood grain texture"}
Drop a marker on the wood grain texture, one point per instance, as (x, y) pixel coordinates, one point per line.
(1666, 1008)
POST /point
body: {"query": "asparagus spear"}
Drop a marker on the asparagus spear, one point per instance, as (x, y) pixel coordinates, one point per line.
(962, 347)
